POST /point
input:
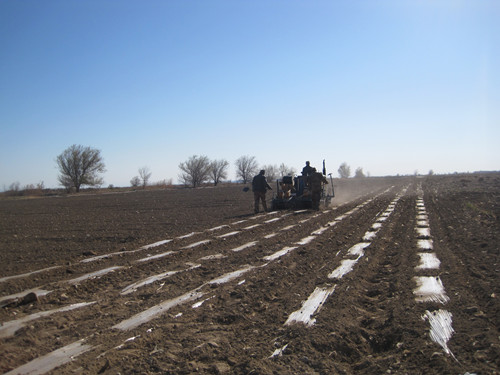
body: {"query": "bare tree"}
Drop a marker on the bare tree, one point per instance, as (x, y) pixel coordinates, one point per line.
(359, 173)
(195, 171)
(344, 170)
(218, 170)
(135, 181)
(246, 168)
(285, 170)
(272, 172)
(145, 175)
(15, 187)
(79, 165)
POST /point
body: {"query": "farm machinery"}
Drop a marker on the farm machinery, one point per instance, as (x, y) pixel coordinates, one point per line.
(303, 192)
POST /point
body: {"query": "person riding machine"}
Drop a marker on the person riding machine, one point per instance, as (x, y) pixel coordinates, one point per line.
(302, 192)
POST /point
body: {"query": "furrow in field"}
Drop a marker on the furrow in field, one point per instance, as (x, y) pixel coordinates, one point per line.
(149, 257)
(319, 296)
(9, 328)
(52, 360)
(156, 244)
(195, 294)
(231, 275)
(39, 290)
(430, 289)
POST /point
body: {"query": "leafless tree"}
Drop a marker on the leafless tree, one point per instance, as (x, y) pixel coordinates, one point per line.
(195, 171)
(285, 170)
(218, 170)
(246, 168)
(15, 187)
(79, 165)
(344, 170)
(145, 175)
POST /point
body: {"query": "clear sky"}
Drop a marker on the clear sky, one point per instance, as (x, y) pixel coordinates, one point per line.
(392, 87)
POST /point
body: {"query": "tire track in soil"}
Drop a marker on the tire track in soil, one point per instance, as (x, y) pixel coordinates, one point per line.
(178, 249)
(473, 301)
(381, 296)
(89, 282)
(373, 326)
(233, 330)
(226, 319)
(430, 291)
(334, 343)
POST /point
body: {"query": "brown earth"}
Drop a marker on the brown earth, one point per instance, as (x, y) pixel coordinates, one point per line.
(370, 324)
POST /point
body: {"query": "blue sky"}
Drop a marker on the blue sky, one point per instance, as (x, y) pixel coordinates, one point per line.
(392, 87)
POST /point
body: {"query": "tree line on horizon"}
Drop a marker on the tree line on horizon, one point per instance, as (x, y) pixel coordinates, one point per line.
(82, 166)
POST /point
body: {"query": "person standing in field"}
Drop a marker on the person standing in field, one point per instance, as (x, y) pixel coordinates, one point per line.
(259, 188)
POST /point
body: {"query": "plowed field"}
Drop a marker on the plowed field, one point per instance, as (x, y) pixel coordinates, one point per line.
(398, 275)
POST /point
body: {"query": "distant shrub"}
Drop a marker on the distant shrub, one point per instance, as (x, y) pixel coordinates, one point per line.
(135, 181)
(164, 183)
(359, 173)
(344, 170)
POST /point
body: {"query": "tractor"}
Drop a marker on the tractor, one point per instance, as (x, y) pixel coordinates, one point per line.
(303, 192)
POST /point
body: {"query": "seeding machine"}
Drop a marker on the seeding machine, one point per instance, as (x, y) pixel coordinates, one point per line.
(303, 192)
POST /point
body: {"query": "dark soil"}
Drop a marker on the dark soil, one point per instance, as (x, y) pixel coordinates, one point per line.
(370, 324)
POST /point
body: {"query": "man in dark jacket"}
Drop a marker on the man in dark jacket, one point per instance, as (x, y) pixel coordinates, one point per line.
(307, 170)
(259, 188)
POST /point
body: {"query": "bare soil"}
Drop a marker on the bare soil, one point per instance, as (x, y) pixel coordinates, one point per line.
(234, 323)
